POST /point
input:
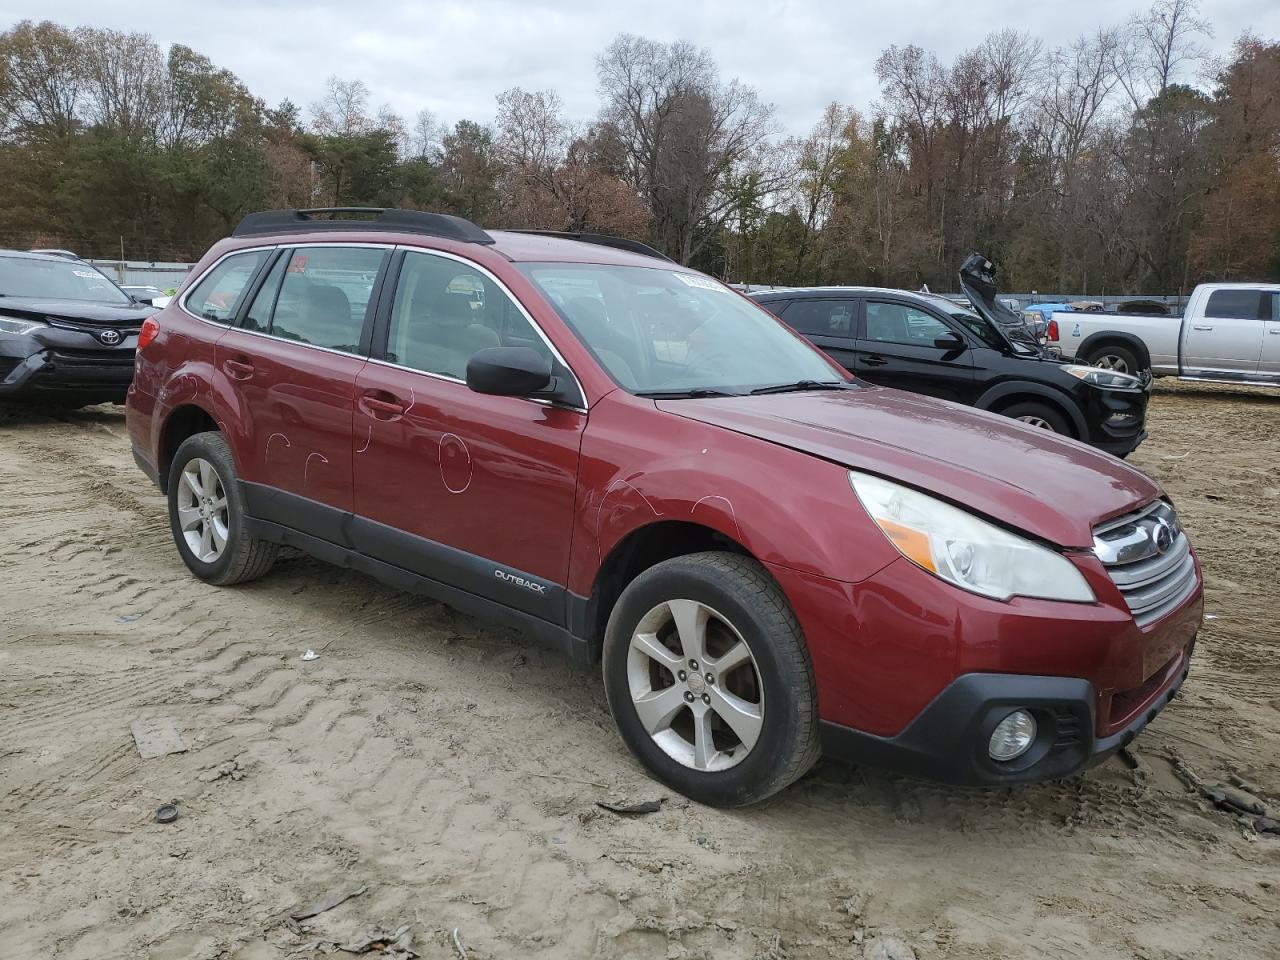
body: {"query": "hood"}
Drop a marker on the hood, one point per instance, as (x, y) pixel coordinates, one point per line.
(1048, 486)
(978, 282)
(107, 314)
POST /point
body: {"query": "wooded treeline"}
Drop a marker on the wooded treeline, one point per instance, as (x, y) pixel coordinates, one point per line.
(1123, 161)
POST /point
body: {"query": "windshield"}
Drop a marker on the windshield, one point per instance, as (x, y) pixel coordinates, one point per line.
(664, 331)
(34, 279)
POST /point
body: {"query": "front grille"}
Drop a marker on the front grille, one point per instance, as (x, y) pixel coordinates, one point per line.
(1069, 730)
(125, 326)
(1149, 558)
(90, 366)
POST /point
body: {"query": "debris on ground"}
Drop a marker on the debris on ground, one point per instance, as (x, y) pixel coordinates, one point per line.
(327, 902)
(1234, 800)
(392, 945)
(310, 655)
(229, 769)
(157, 737)
(166, 813)
(457, 945)
(1267, 825)
(887, 948)
(629, 809)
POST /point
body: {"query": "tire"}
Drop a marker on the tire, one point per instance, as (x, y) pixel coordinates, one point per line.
(1114, 357)
(1039, 415)
(742, 603)
(242, 557)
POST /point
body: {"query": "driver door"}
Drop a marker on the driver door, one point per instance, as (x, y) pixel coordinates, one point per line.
(473, 491)
(895, 349)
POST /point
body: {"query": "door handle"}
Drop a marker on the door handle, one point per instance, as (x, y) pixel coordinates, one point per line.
(381, 409)
(1274, 331)
(874, 361)
(1200, 326)
(238, 369)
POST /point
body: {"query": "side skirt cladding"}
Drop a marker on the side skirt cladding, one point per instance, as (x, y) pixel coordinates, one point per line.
(473, 585)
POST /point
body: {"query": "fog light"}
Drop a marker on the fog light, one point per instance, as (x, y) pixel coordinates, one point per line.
(1013, 736)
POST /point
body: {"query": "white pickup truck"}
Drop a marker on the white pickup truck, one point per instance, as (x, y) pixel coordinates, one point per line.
(1229, 333)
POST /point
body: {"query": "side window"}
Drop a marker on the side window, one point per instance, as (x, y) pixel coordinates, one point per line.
(1235, 305)
(898, 323)
(776, 307)
(444, 311)
(822, 318)
(258, 316)
(324, 296)
(217, 295)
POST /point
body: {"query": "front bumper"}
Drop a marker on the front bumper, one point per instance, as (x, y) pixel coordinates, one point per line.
(66, 365)
(1116, 419)
(948, 740)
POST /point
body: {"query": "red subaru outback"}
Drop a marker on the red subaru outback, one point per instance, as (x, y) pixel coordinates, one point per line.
(577, 437)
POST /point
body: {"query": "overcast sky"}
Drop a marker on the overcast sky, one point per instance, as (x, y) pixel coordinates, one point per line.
(452, 57)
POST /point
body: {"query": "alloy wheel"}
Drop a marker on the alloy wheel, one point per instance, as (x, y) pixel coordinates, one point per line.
(1112, 362)
(202, 510)
(1035, 421)
(695, 685)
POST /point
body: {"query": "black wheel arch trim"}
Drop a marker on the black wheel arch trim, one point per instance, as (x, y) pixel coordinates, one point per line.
(1001, 393)
(1129, 340)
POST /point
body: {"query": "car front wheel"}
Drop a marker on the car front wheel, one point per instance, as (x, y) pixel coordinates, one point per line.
(709, 680)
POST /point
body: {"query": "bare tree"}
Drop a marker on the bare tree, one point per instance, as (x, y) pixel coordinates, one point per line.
(685, 134)
(125, 80)
(343, 111)
(1157, 45)
(41, 81)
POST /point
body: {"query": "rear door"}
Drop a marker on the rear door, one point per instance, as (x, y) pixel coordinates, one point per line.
(1269, 365)
(830, 324)
(292, 362)
(1226, 340)
(895, 348)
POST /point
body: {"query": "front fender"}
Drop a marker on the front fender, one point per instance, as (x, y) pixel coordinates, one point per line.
(642, 466)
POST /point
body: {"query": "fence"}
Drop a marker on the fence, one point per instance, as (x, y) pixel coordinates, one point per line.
(137, 273)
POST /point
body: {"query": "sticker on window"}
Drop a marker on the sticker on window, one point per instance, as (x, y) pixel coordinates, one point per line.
(86, 274)
(702, 283)
(298, 263)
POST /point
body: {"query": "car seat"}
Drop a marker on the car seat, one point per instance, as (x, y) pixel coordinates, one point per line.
(618, 355)
(442, 334)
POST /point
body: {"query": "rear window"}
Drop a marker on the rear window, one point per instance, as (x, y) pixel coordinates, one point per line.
(216, 296)
(1237, 305)
(822, 318)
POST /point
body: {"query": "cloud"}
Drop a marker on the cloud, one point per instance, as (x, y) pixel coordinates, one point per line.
(453, 57)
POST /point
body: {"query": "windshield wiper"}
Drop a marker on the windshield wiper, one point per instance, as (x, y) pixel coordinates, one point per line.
(799, 385)
(692, 393)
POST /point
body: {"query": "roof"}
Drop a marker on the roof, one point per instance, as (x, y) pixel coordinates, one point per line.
(817, 293)
(29, 255)
(540, 248)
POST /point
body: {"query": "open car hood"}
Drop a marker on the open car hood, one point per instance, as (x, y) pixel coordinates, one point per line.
(978, 283)
(1020, 476)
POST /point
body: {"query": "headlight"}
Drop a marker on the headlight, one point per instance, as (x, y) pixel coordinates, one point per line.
(17, 327)
(963, 550)
(1103, 378)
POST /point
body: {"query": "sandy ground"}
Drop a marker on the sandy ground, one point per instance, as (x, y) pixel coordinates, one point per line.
(454, 770)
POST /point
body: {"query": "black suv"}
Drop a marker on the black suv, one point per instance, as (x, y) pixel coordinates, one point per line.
(68, 334)
(931, 345)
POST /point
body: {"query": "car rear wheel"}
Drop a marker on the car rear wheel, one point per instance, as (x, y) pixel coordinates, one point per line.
(207, 515)
(1116, 358)
(709, 680)
(1039, 415)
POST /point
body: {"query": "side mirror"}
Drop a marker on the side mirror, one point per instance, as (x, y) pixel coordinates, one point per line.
(949, 341)
(509, 372)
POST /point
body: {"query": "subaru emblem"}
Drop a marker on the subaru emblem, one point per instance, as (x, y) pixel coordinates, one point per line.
(1162, 536)
(110, 337)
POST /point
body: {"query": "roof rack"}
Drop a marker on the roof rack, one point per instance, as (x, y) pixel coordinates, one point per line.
(381, 218)
(603, 240)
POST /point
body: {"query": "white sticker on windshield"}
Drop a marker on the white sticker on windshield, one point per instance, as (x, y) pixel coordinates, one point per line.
(86, 274)
(702, 283)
